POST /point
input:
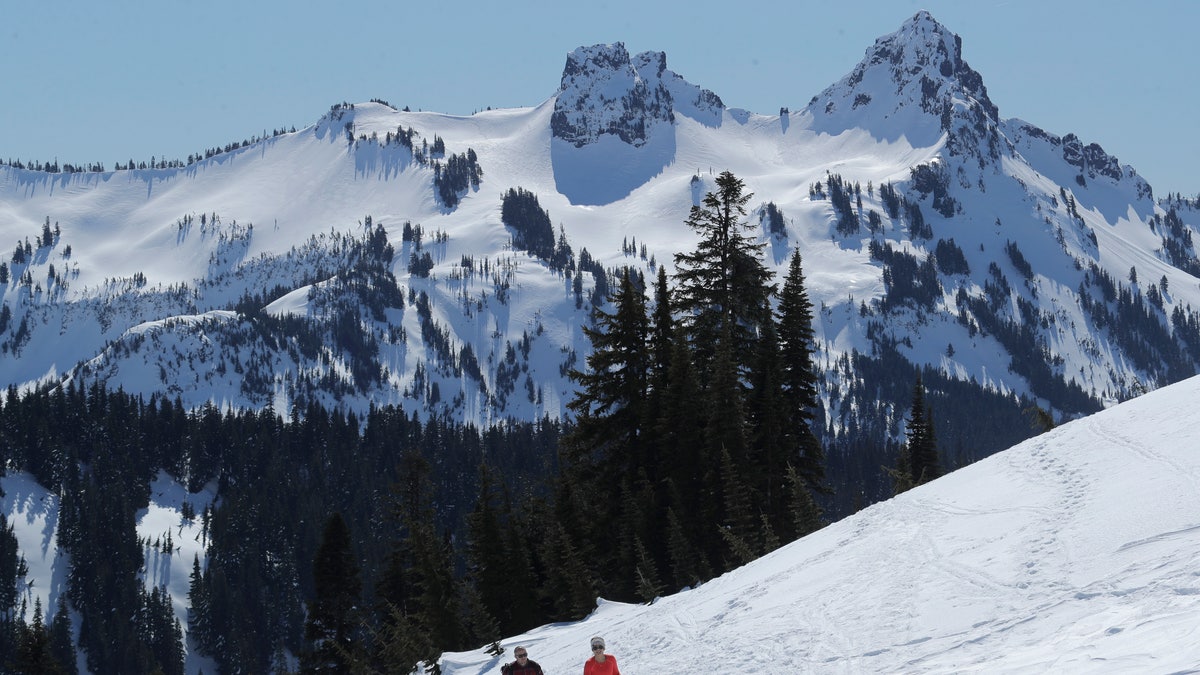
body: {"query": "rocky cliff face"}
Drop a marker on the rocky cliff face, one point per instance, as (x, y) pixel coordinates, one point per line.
(912, 82)
(604, 91)
(915, 85)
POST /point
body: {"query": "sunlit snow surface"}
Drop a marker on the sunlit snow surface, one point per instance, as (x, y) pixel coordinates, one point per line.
(1076, 551)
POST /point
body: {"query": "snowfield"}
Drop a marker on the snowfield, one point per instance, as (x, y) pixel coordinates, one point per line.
(1072, 552)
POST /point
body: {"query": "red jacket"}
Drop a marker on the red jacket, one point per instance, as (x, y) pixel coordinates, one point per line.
(609, 667)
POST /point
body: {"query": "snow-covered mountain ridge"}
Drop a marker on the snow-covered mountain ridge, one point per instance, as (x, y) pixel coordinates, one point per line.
(364, 260)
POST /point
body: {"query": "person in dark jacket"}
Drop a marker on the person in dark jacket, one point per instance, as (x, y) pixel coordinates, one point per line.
(523, 665)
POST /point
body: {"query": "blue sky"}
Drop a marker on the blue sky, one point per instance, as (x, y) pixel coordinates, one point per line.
(92, 81)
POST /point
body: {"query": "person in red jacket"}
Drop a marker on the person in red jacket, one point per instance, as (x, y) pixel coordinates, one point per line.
(600, 663)
(523, 665)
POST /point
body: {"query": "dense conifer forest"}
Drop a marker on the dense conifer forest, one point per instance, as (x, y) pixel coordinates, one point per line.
(404, 490)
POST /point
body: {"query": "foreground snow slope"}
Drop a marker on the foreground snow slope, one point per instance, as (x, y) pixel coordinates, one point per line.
(1072, 552)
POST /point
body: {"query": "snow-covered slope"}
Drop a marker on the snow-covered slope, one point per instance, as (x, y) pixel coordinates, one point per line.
(1072, 552)
(1026, 244)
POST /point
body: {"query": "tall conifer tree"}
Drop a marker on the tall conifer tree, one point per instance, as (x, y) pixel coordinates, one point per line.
(917, 462)
(606, 447)
(661, 338)
(612, 390)
(689, 472)
(723, 287)
(61, 645)
(723, 296)
(770, 440)
(921, 441)
(799, 380)
(333, 617)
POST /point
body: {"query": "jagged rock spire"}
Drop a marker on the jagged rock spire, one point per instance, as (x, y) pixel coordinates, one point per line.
(604, 91)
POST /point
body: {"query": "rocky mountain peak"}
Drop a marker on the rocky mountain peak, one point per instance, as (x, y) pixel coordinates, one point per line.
(604, 91)
(916, 71)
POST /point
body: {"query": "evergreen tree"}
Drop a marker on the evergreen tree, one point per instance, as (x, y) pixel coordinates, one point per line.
(770, 440)
(161, 632)
(12, 568)
(677, 472)
(686, 564)
(901, 474)
(440, 598)
(748, 449)
(662, 332)
(805, 514)
(568, 583)
(400, 643)
(636, 523)
(61, 647)
(799, 375)
(33, 652)
(662, 340)
(612, 390)
(723, 296)
(648, 585)
(921, 443)
(479, 626)
(723, 287)
(420, 599)
(738, 528)
(199, 624)
(498, 566)
(331, 628)
(691, 473)
(606, 444)
(726, 424)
